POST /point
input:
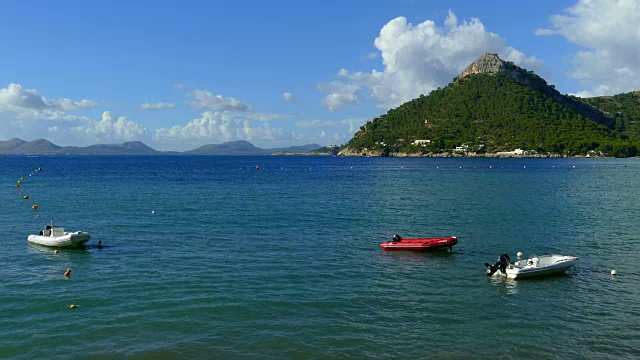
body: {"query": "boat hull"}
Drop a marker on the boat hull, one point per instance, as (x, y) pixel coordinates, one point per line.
(421, 244)
(540, 266)
(74, 239)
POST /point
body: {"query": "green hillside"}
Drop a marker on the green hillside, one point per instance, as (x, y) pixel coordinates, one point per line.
(624, 109)
(492, 113)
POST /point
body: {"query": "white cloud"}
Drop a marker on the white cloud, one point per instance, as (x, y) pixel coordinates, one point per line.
(64, 129)
(420, 58)
(287, 96)
(583, 94)
(340, 93)
(217, 127)
(16, 98)
(609, 30)
(371, 56)
(351, 124)
(157, 105)
(110, 128)
(206, 100)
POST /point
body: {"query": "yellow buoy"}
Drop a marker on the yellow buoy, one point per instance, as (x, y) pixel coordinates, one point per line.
(26, 197)
(17, 185)
(22, 178)
(34, 207)
(73, 306)
(19, 182)
(55, 251)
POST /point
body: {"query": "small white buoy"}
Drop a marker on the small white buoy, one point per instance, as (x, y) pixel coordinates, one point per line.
(490, 166)
(574, 166)
(437, 167)
(524, 167)
(519, 254)
(460, 167)
(614, 273)
(153, 212)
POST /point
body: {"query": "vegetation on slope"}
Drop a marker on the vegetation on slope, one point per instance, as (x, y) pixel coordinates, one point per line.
(490, 113)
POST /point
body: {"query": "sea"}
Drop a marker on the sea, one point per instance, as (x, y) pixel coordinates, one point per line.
(278, 257)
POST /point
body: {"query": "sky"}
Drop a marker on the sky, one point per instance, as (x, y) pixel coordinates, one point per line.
(177, 75)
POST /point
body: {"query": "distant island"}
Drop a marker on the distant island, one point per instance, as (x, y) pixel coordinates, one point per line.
(44, 147)
(497, 109)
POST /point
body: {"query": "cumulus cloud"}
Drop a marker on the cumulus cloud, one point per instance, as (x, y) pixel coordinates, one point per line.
(371, 56)
(218, 126)
(65, 129)
(609, 32)
(15, 98)
(349, 125)
(420, 58)
(157, 105)
(110, 128)
(287, 96)
(206, 100)
(340, 93)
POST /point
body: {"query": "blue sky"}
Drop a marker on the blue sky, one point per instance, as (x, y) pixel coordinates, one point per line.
(178, 75)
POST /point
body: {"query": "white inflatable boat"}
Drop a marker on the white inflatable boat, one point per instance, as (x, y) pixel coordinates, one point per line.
(535, 266)
(57, 237)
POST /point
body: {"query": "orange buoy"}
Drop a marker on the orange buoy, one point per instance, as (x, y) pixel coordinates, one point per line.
(34, 207)
(67, 273)
(26, 197)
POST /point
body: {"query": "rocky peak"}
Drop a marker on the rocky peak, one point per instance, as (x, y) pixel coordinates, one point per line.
(492, 64)
(487, 63)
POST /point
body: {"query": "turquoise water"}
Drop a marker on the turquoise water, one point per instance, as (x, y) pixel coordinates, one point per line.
(283, 261)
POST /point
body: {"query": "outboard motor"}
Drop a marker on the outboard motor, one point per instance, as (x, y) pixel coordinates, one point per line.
(501, 265)
(396, 238)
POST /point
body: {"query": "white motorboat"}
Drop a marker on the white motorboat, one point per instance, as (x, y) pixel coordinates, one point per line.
(535, 266)
(57, 237)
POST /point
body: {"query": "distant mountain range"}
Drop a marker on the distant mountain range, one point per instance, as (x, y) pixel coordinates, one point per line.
(41, 146)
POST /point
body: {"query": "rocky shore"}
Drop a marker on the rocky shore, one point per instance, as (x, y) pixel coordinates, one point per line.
(379, 153)
(287, 153)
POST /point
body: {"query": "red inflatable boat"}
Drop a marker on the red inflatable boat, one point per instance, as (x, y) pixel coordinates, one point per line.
(419, 244)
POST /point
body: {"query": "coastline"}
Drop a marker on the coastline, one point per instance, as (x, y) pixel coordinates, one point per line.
(379, 153)
(284, 153)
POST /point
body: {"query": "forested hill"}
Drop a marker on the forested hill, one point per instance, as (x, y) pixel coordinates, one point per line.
(500, 108)
(625, 111)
